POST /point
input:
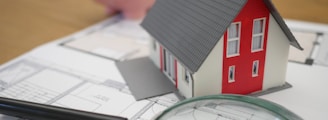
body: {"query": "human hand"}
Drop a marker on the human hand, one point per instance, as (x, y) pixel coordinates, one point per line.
(131, 9)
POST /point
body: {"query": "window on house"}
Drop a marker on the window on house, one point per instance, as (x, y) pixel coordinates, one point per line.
(169, 64)
(164, 60)
(187, 76)
(231, 74)
(255, 69)
(233, 39)
(258, 34)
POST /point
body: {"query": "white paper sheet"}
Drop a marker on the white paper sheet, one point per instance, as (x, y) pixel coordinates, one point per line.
(59, 75)
(79, 72)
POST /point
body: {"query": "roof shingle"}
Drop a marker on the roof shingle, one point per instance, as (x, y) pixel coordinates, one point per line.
(190, 29)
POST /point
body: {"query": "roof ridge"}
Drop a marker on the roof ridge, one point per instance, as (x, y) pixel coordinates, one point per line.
(276, 15)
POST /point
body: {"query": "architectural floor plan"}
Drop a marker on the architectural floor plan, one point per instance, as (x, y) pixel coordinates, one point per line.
(78, 71)
(48, 81)
(34, 82)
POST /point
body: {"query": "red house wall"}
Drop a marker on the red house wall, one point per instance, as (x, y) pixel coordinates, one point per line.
(244, 82)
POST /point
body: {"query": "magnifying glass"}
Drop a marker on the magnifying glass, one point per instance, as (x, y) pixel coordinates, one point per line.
(227, 107)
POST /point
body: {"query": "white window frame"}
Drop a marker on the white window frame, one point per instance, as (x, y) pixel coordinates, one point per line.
(168, 64)
(187, 76)
(233, 67)
(258, 34)
(165, 60)
(256, 73)
(234, 39)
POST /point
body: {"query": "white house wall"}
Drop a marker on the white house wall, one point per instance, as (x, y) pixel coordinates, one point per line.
(185, 88)
(208, 79)
(276, 56)
(155, 52)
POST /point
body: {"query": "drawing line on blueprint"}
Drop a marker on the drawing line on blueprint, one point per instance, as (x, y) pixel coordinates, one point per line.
(14, 73)
(26, 90)
(117, 85)
(36, 87)
(97, 105)
(142, 111)
(150, 109)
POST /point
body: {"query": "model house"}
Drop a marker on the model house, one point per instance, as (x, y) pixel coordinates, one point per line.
(219, 46)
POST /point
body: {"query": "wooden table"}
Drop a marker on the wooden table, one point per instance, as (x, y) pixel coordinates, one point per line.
(25, 24)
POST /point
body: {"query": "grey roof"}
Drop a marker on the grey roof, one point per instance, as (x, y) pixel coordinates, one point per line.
(190, 29)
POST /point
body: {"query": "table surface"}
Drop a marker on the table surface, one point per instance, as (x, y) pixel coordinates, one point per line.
(26, 24)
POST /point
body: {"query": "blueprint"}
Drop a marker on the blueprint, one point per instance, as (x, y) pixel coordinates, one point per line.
(34, 82)
(55, 74)
(313, 37)
(79, 71)
(121, 41)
